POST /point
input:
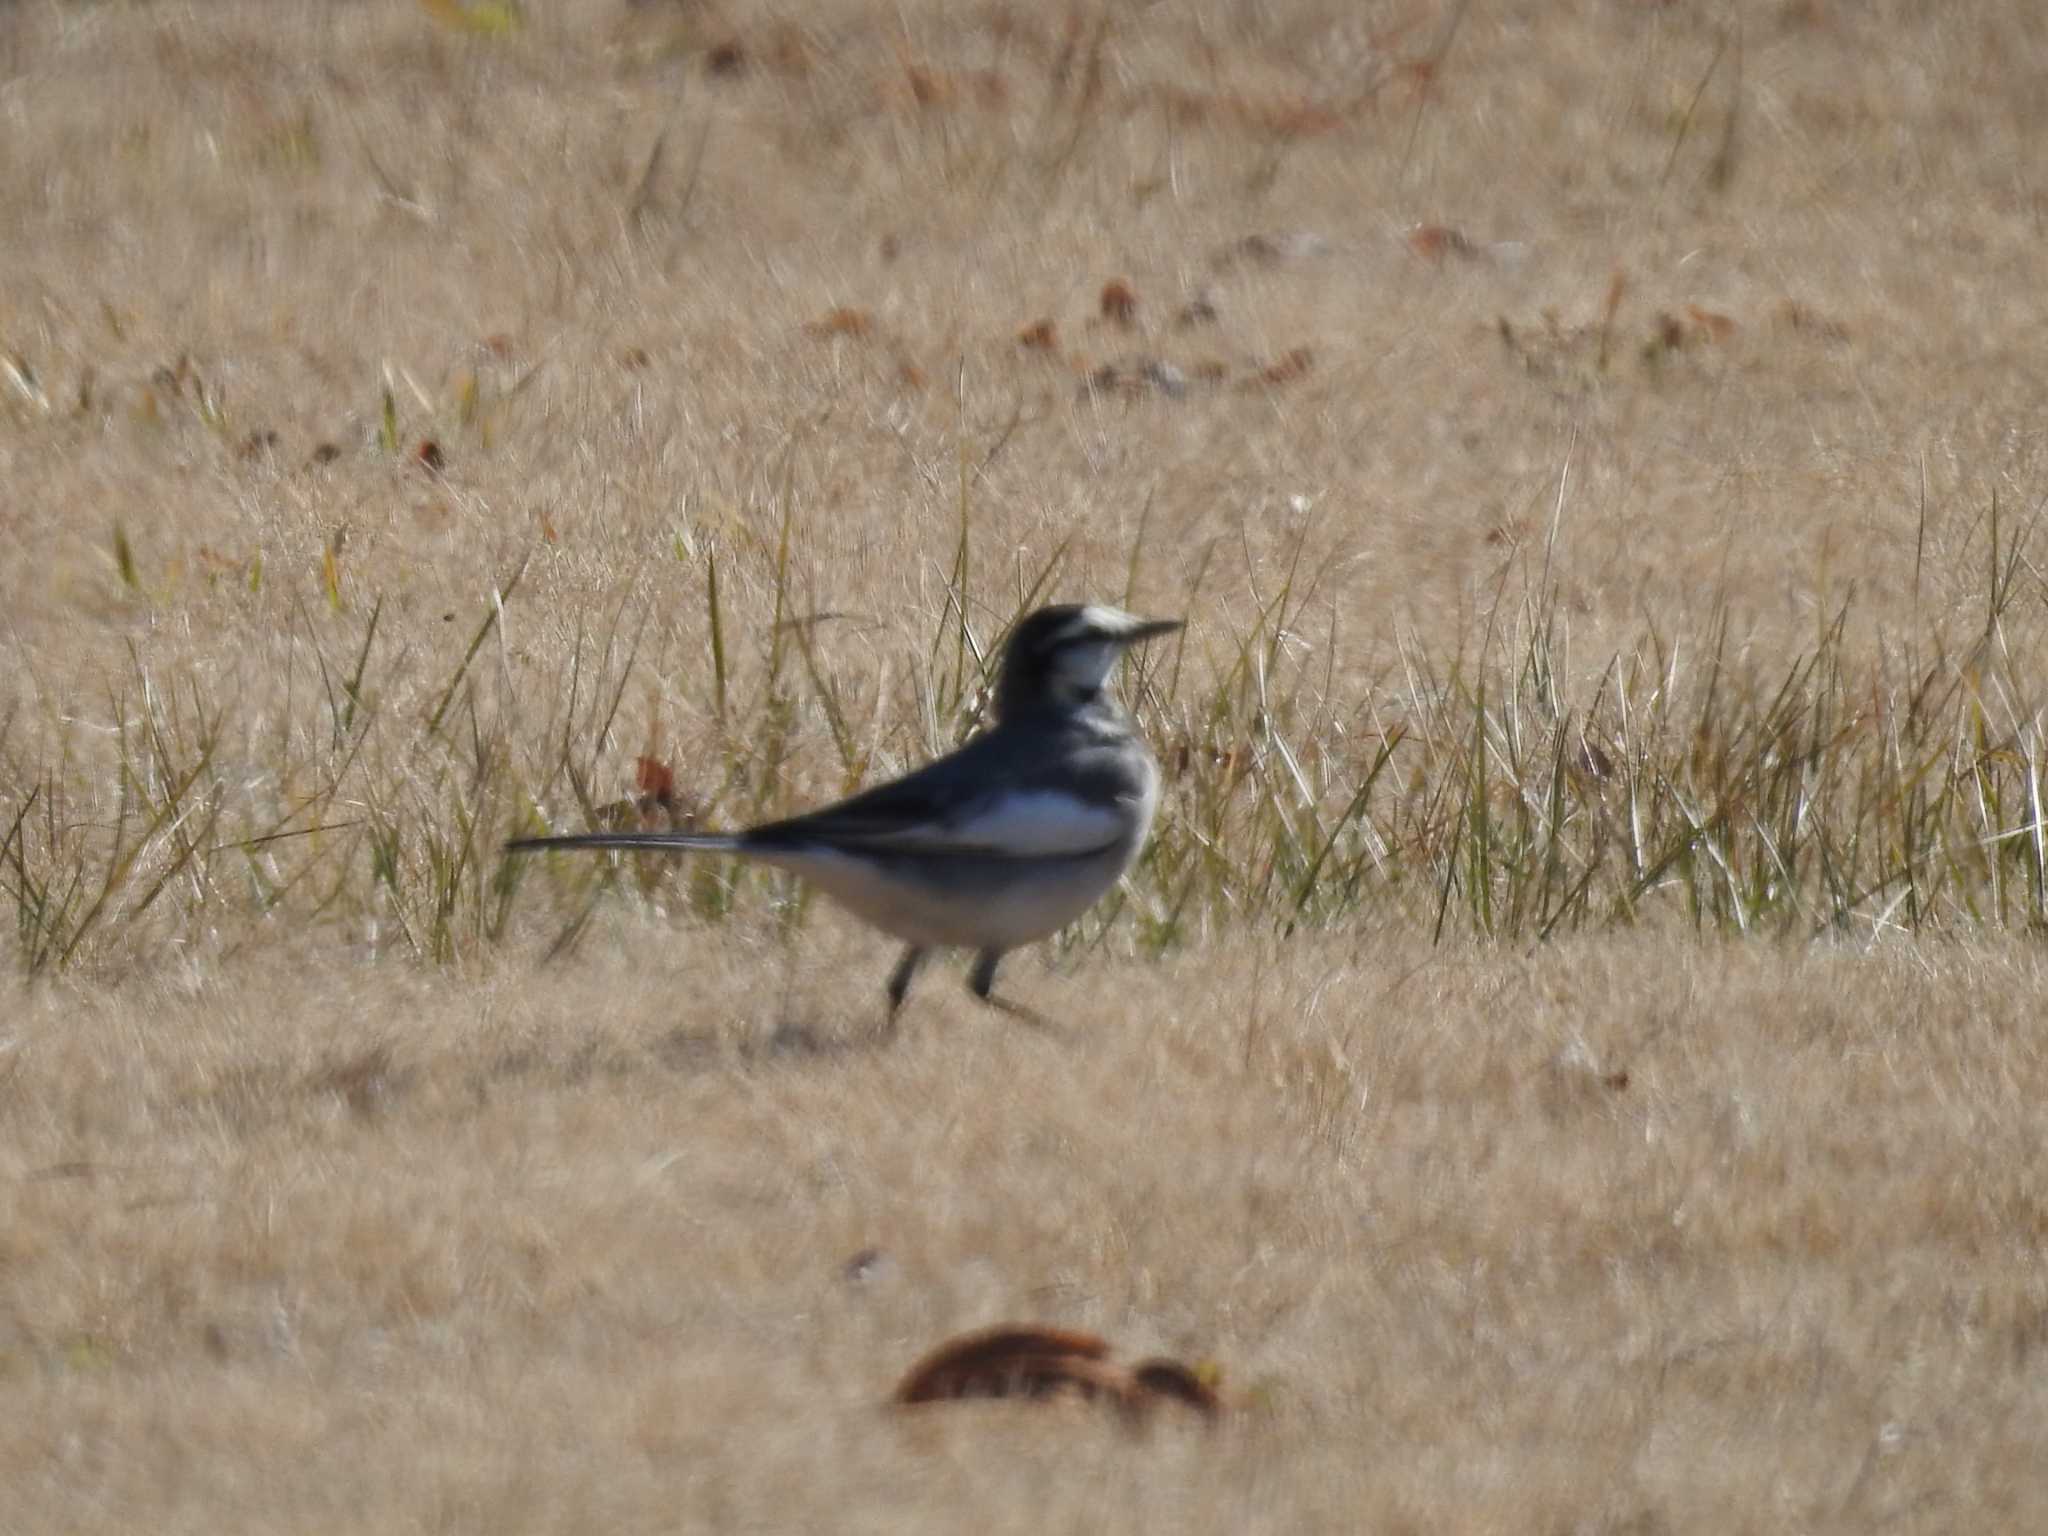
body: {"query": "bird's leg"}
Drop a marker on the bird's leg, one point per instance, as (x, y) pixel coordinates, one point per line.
(899, 979)
(981, 982)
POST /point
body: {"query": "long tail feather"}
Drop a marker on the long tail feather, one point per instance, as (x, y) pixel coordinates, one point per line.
(699, 842)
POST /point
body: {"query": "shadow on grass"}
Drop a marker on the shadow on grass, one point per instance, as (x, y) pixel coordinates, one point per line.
(694, 1048)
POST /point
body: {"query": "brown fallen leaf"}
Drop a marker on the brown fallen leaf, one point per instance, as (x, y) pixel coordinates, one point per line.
(1045, 1364)
(842, 322)
(1170, 1379)
(1119, 303)
(1285, 370)
(655, 779)
(1709, 325)
(985, 1363)
(1433, 242)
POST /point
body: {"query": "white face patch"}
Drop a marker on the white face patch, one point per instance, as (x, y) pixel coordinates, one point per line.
(1101, 619)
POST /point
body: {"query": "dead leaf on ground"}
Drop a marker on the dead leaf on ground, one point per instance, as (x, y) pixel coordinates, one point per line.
(1285, 370)
(1038, 1364)
(655, 804)
(1435, 242)
(842, 322)
(651, 776)
(1709, 325)
(1119, 303)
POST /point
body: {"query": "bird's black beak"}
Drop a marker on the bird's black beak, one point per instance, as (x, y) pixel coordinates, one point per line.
(1151, 629)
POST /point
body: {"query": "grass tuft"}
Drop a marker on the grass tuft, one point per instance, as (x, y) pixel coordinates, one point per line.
(1495, 793)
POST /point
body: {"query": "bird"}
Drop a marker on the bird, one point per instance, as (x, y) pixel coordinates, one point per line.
(991, 847)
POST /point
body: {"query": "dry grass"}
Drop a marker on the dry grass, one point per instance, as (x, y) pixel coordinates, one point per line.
(1480, 1241)
(1569, 1057)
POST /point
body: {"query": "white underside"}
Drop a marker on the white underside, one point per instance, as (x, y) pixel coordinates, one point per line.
(1020, 906)
(980, 902)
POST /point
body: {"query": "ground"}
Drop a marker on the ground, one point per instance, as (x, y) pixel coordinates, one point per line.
(1571, 1059)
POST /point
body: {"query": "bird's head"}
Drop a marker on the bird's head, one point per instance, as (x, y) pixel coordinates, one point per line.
(1062, 656)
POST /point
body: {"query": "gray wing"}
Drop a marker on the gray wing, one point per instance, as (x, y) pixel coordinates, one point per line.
(1003, 795)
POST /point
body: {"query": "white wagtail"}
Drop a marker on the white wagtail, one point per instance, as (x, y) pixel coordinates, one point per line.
(999, 844)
